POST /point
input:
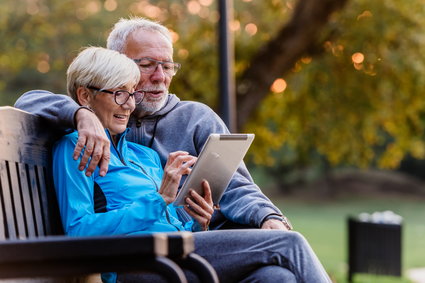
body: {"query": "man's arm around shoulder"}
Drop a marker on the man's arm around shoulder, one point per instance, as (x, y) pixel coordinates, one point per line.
(58, 109)
(65, 113)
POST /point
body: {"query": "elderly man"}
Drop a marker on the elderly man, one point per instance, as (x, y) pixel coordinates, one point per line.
(138, 194)
(161, 122)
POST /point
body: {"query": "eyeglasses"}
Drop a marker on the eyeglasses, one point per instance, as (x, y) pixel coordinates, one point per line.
(122, 96)
(148, 66)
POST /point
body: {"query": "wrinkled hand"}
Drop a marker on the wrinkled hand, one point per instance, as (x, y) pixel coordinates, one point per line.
(92, 138)
(200, 208)
(274, 224)
(178, 164)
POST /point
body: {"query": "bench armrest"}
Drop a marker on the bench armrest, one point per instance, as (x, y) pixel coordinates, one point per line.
(62, 255)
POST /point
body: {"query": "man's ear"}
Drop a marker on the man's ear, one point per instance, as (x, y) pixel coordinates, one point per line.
(83, 96)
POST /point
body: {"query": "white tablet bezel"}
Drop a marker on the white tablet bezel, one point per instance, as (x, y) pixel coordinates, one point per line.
(218, 161)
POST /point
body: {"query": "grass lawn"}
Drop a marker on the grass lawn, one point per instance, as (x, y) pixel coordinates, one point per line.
(323, 223)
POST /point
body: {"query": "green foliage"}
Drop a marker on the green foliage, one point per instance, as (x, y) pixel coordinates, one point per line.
(43, 36)
(40, 39)
(365, 113)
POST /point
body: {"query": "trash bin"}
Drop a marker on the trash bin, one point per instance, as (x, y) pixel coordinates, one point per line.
(374, 244)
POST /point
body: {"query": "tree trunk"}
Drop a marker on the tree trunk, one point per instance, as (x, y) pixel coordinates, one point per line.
(280, 54)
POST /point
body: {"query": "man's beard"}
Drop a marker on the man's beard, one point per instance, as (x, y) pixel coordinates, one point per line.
(152, 106)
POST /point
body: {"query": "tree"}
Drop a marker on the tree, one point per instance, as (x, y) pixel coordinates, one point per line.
(360, 101)
(317, 80)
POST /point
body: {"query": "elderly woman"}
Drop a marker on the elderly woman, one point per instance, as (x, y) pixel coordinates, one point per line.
(135, 195)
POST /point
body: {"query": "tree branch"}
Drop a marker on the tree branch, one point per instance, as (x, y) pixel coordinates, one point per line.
(280, 54)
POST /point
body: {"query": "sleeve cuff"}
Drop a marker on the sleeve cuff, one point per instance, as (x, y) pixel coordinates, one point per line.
(279, 217)
(76, 111)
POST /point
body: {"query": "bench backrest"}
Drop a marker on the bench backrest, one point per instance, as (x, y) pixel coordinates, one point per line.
(26, 189)
(28, 209)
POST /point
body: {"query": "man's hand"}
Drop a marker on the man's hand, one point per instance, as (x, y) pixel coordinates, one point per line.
(178, 164)
(201, 208)
(92, 138)
(274, 224)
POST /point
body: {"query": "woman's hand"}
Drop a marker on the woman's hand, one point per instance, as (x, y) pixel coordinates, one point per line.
(200, 208)
(178, 164)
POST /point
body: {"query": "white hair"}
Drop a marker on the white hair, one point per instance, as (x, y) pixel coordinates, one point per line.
(102, 68)
(124, 27)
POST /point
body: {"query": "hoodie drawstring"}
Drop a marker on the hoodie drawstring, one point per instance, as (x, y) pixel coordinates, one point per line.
(154, 131)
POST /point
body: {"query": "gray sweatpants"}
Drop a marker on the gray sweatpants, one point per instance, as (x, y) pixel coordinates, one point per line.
(253, 255)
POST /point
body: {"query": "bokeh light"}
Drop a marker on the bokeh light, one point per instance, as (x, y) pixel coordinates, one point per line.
(174, 36)
(110, 5)
(43, 66)
(206, 2)
(279, 85)
(32, 8)
(251, 29)
(152, 11)
(357, 58)
(93, 7)
(193, 7)
(183, 53)
(365, 14)
(234, 25)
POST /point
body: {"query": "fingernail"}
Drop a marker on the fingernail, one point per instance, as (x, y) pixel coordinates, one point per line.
(102, 173)
(88, 174)
(81, 168)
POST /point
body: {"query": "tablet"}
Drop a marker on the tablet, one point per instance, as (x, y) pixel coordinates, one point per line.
(218, 161)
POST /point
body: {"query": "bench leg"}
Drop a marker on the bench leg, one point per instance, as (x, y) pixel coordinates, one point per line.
(170, 270)
(200, 266)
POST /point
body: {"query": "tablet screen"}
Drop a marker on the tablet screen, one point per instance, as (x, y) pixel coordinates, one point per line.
(217, 162)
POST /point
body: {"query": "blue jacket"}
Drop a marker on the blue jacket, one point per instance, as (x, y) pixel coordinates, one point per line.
(133, 204)
(179, 125)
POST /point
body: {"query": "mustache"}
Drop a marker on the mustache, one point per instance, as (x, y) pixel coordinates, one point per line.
(153, 88)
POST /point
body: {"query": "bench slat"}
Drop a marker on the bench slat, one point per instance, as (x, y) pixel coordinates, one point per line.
(17, 201)
(35, 196)
(2, 208)
(27, 207)
(44, 201)
(9, 217)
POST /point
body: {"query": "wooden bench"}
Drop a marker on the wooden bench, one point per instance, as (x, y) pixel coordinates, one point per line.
(32, 243)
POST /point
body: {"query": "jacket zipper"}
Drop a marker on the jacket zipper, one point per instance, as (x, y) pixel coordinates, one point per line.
(144, 172)
(116, 149)
(119, 155)
(157, 189)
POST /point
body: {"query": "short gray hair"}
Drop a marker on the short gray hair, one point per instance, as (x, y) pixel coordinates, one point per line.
(124, 27)
(100, 67)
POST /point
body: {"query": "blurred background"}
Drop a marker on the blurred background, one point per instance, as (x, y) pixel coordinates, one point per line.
(334, 91)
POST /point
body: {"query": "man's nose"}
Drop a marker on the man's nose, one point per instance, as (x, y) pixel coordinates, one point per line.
(158, 74)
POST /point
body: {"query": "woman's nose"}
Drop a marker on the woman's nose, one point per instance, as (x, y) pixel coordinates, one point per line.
(130, 104)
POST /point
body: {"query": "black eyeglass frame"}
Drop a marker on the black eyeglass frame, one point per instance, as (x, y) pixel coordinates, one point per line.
(121, 90)
(176, 66)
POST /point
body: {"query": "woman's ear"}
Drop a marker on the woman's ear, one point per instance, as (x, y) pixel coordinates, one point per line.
(83, 96)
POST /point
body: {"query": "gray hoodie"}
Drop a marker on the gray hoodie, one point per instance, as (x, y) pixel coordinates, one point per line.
(179, 125)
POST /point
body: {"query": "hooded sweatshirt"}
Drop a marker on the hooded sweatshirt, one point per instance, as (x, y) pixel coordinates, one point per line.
(179, 125)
